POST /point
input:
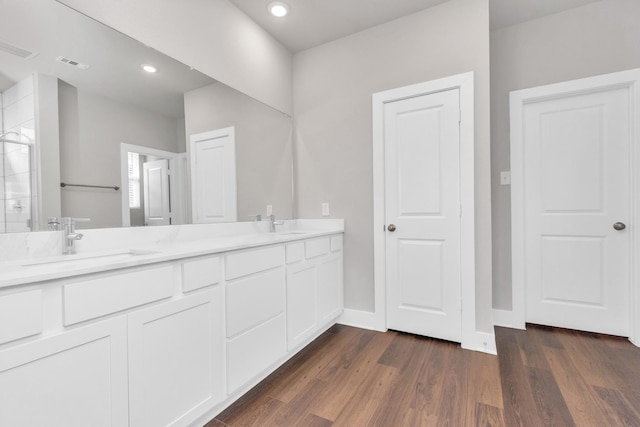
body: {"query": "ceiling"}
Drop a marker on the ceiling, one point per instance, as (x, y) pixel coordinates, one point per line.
(314, 22)
(52, 29)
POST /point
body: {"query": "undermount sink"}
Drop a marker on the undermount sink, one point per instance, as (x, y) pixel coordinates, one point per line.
(79, 258)
(293, 232)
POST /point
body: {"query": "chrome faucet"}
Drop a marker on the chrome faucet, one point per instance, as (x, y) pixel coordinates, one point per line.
(70, 235)
(273, 223)
(258, 217)
(53, 224)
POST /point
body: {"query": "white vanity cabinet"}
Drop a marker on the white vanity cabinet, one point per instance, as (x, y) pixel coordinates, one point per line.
(170, 343)
(255, 313)
(175, 360)
(72, 378)
(314, 287)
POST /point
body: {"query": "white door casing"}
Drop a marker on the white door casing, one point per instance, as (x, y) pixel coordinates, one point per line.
(422, 194)
(471, 339)
(177, 182)
(213, 176)
(574, 169)
(156, 192)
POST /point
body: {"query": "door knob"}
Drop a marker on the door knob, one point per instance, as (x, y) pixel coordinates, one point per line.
(619, 226)
(391, 228)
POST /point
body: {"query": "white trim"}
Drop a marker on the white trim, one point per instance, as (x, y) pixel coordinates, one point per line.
(484, 342)
(464, 83)
(505, 318)
(177, 213)
(361, 319)
(230, 177)
(518, 99)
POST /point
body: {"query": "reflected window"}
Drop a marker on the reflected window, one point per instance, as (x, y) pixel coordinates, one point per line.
(134, 180)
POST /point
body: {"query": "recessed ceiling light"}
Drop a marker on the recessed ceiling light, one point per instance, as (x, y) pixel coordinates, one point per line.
(278, 9)
(149, 68)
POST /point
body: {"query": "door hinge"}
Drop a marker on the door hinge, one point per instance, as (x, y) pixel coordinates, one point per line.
(459, 116)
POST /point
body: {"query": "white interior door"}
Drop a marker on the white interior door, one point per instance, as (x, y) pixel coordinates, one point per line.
(157, 206)
(422, 198)
(213, 176)
(576, 177)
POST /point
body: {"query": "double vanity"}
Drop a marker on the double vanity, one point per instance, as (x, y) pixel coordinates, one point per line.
(158, 326)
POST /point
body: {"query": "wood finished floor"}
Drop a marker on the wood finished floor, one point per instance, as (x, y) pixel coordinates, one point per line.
(542, 377)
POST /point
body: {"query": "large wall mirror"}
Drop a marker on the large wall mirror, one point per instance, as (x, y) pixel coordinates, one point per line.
(77, 108)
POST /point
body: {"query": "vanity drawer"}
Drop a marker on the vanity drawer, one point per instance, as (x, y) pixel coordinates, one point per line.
(316, 247)
(295, 252)
(20, 315)
(251, 353)
(200, 273)
(254, 300)
(93, 298)
(249, 262)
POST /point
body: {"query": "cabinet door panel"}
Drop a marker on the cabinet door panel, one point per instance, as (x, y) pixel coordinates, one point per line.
(329, 289)
(301, 303)
(76, 378)
(175, 355)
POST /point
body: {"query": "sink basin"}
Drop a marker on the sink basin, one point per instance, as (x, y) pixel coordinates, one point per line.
(294, 232)
(79, 258)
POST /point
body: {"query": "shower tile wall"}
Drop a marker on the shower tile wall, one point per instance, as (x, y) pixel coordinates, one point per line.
(18, 114)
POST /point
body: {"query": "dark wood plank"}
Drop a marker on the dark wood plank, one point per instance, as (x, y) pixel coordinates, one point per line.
(542, 376)
(342, 382)
(488, 416)
(581, 401)
(618, 407)
(552, 409)
(519, 406)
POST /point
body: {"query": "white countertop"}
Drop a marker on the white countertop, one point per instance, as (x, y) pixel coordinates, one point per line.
(37, 269)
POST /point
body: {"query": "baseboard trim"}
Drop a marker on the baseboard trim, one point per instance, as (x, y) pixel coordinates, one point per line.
(507, 319)
(362, 319)
(484, 342)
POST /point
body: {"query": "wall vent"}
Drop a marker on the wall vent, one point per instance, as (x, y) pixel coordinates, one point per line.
(12, 49)
(72, 62)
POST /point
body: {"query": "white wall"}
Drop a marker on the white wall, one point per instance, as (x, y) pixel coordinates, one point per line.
(91, 131)
(213, 36)
(263, 146)
(595, 39)
(333, 84)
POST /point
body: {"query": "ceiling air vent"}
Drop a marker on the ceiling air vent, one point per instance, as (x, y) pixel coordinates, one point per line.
(72, 62)
(15, 50)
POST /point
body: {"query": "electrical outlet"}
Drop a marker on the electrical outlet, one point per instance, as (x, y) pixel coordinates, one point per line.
(325, 209)
(505, 178)
(269, 210)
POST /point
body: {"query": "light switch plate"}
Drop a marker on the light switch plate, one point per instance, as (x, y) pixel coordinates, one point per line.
(505, 178)
(269, 210)
(325, 209)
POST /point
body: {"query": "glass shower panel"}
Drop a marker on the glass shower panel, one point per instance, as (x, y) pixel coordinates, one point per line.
(16, 193)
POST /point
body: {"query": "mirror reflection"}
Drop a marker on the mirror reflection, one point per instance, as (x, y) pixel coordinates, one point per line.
(78, 108)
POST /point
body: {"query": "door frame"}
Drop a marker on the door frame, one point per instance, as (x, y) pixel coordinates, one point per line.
(471, 339)
(518, 99)
(177, 209)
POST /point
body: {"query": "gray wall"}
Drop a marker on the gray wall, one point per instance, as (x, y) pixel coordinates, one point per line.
(91, 130)
(333, 84)
(263, 146)
(599, 38)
